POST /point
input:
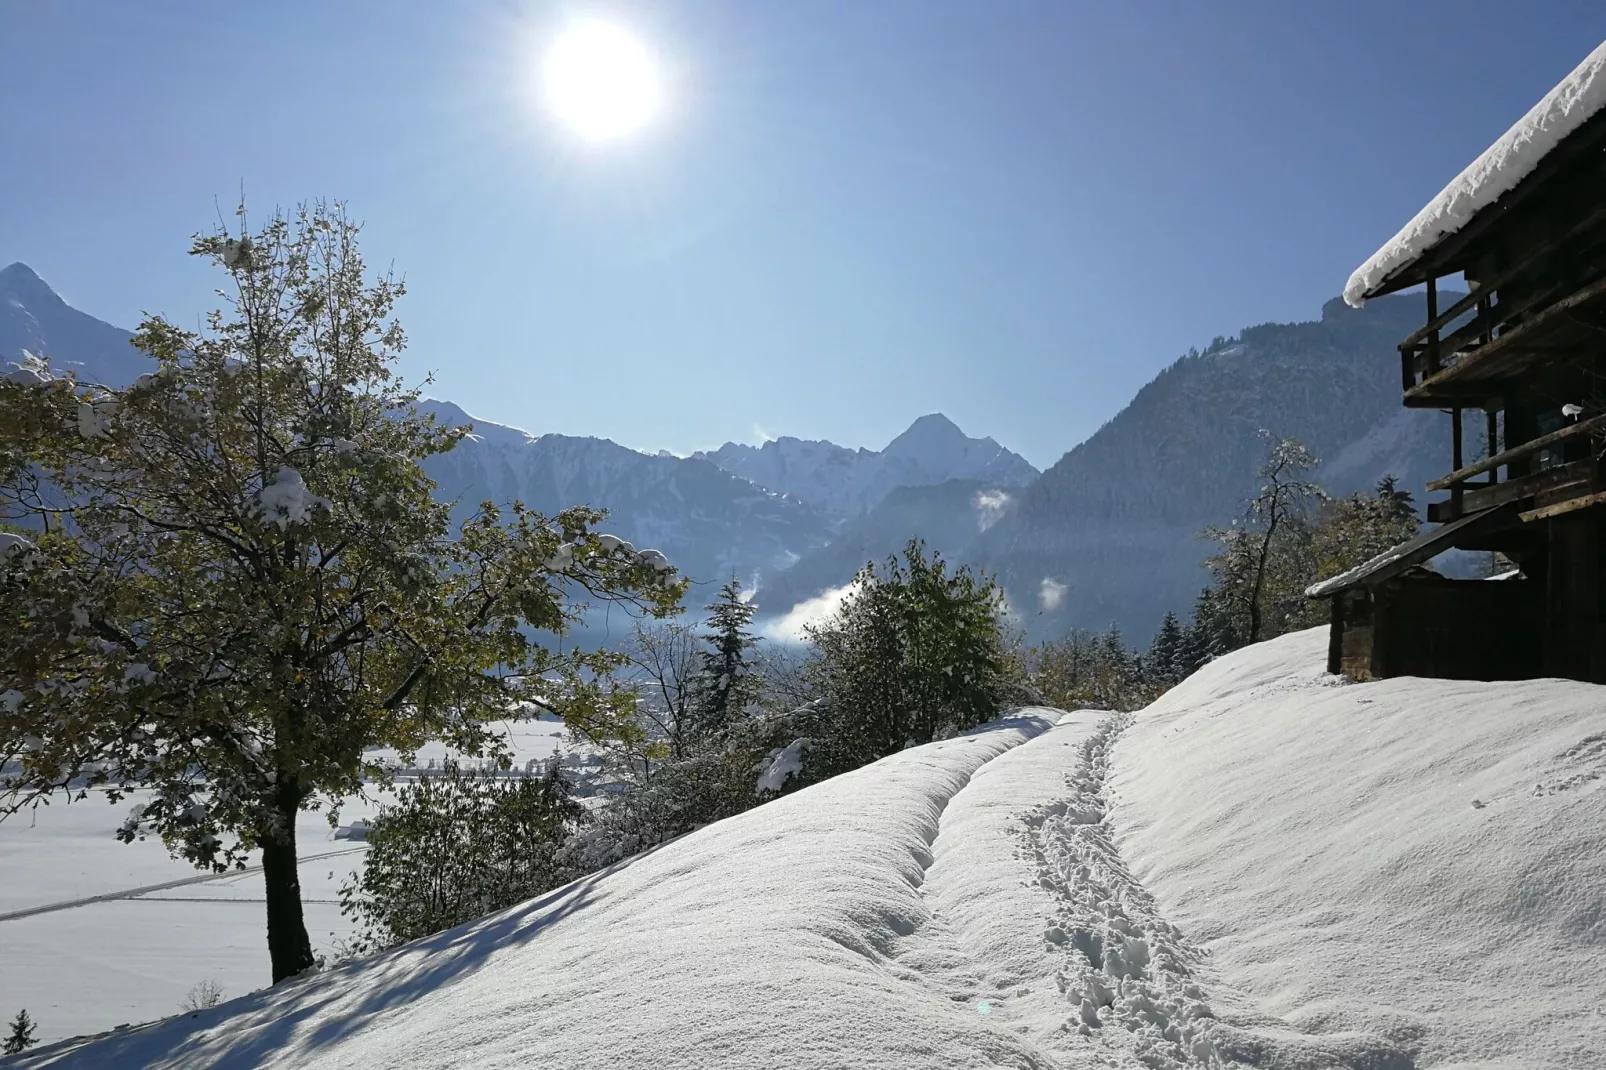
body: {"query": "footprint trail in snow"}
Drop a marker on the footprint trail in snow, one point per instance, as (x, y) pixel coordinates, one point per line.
(1125, 967)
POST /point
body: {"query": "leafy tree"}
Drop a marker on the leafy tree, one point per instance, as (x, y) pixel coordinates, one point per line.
(21, 1037)
(1261, 556)
(1094, 670)
(665, 657)
(241, 582)
(460, 845)
(913, 654)
(1353, 530)
(726, 685)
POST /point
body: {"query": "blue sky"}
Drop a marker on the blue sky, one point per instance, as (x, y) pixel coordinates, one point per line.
(852, 213)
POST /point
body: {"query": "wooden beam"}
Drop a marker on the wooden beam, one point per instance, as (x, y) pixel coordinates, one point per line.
(1488, 464)
(1568, 506)
(1491, 435)
(1470, 394)
(1433, 345)
(1523, 332)
(1561, 475)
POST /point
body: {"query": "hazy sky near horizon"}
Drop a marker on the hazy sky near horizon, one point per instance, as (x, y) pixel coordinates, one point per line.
(849, 213)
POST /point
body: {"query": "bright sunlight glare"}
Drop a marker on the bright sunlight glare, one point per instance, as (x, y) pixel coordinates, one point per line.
(601, 81)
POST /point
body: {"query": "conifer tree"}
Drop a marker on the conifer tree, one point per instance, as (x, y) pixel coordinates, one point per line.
(726, 685)
(915, 653)
(21, 1037)
(1164, 662)
(239, 581)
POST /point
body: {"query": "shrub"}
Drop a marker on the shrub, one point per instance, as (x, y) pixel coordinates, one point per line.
(458, 846)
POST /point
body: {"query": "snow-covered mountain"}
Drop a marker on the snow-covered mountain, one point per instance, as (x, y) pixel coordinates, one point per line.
(1109, 534)
(34, 319)
(1264, 868)
(849, 482)
(710, 523)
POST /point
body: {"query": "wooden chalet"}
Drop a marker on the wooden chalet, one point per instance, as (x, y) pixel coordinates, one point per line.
(1525, 228)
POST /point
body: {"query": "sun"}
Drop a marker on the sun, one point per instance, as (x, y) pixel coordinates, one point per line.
(601, 81)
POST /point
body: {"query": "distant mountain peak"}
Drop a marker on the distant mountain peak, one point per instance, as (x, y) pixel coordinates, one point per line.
(23, 284)
(848, 482)
(934, 422)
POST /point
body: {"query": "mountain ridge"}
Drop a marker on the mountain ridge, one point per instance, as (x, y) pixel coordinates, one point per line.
(850, 482)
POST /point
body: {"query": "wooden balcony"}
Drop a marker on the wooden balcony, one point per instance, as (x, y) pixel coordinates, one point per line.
(1551, 491)
(1499, 344)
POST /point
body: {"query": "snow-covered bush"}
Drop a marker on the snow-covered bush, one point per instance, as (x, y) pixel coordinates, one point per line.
(204, 995)
(759, 757)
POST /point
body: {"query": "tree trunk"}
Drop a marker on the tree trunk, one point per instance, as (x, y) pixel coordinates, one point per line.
(288, 944)
(1260, 575)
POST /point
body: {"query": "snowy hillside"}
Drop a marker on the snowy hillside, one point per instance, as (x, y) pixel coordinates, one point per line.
(1269, 867)
(1417, 860)
(849, 482)
(95, 932)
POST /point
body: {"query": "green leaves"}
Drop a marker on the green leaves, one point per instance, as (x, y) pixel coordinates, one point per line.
(240, 581)
(914, 654)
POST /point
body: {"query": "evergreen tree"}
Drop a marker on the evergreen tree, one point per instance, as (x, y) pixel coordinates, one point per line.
(1164, 663)
(914, 654)
(726, 685)
(240, 581)
(21, 1037)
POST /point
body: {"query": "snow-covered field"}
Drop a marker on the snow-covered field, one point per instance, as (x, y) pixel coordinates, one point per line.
(1268, 867)
(153, 927)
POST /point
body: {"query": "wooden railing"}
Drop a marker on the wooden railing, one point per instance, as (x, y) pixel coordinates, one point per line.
(1516, 453)
(1427, 351)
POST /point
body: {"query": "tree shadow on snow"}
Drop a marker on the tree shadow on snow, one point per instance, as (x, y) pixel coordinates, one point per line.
(301, 1016)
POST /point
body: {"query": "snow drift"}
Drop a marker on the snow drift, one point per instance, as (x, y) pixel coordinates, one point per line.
(1268, 867)
(769, 939)
(1422, 861)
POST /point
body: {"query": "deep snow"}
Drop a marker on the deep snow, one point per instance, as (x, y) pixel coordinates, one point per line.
(1422, 861)
(133, 954)
(1270, 866)
(1493, 174)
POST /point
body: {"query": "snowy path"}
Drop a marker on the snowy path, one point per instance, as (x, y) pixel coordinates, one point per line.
(1038, 924)
(149, 889)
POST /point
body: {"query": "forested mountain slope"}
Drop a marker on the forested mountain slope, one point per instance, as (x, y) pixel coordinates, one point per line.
(1109, 534)
(948, 517)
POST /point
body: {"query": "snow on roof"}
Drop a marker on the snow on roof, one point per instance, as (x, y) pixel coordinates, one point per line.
(1498, 171)
(1424, 545)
